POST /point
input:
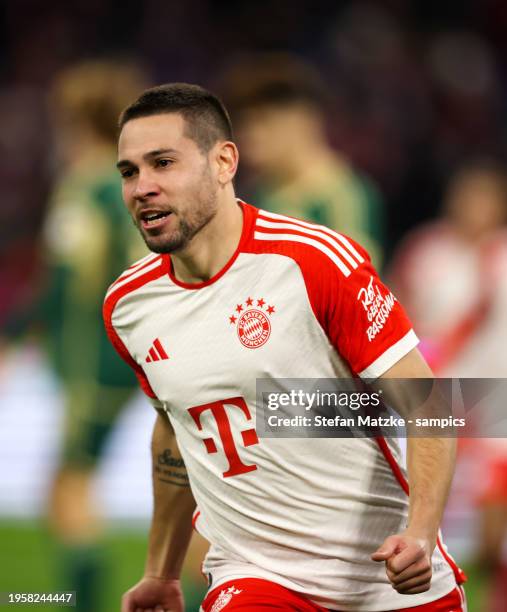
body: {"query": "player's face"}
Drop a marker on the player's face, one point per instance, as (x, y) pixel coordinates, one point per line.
(168, 182)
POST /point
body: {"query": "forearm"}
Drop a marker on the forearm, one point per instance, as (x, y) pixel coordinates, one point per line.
(171, 527)
(430, 463)
(410, 389)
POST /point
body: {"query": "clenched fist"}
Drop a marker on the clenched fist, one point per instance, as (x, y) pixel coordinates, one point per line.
(153, 594)
(408, 563)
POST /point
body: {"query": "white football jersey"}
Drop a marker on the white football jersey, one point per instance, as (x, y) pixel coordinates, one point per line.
(296, 300)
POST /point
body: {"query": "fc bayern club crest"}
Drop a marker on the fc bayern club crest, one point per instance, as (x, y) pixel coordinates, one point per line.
(252, 322)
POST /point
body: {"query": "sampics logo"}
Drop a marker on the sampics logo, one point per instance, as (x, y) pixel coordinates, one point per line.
(252, 322)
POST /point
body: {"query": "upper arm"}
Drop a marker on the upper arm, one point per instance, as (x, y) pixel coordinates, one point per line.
(361, 317)
(411, 365)
(163, 432)
(410, 387)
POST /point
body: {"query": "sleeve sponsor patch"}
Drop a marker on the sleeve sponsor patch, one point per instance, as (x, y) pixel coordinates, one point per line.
(377, 307)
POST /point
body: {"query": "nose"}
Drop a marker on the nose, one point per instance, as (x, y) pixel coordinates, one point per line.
(145, 186)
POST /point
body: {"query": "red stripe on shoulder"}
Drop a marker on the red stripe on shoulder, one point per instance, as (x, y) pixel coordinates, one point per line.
(337, 273)
(134, 269)
(107, 311)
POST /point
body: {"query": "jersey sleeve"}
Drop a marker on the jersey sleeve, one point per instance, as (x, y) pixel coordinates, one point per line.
(361, 317)
(123, 352)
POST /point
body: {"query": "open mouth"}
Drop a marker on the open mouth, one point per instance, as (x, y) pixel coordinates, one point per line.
(151, 219)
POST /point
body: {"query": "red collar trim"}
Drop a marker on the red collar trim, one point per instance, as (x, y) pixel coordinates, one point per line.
(249, 214)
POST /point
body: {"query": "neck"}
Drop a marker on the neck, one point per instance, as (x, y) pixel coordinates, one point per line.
(212, 247)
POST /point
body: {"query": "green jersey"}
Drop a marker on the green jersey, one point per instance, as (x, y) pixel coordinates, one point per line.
(90, 239)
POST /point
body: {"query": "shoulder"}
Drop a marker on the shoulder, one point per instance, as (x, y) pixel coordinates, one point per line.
(331, 264)
(317, 249)
(139, 274)
(360, 316)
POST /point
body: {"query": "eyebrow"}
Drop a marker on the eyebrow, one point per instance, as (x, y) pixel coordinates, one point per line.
(147, 156)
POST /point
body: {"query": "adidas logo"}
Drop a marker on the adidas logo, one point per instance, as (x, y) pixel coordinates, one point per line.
(156, 352)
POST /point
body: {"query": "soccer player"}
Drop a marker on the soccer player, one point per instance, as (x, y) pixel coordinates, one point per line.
(88, 242)
(278, 103)
(460, 308)
(232, 294)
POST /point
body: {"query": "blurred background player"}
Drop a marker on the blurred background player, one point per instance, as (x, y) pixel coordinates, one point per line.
(452, 275)
(278, 103)
(88, 239)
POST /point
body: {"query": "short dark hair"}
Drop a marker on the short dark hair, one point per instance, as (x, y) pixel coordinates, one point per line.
(206, 118)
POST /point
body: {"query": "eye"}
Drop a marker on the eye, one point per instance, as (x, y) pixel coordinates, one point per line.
(127, 173)
(163, 163)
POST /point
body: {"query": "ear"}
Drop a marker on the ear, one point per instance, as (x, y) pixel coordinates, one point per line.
(226, 157)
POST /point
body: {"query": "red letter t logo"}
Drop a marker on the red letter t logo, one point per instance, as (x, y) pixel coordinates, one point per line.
(236, 466)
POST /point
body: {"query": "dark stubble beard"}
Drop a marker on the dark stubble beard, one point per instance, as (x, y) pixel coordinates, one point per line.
(192, 222)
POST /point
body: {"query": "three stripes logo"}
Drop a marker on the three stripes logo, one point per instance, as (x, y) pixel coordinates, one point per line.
(156, 352)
